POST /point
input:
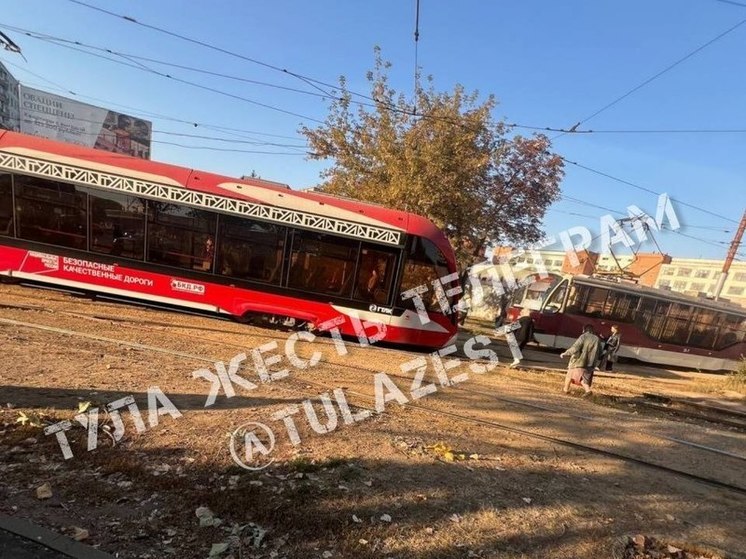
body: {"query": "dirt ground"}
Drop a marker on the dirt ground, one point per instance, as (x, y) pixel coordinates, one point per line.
(475, 469)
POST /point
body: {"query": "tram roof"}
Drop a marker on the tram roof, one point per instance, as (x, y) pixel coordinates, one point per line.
(252, 190)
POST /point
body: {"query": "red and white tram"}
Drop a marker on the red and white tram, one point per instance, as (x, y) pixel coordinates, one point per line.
(656, 326)
(96, 221)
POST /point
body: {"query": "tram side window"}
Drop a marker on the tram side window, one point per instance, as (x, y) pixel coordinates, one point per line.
(51, 212)
(594, 305)
(704, 330)
(622, 306)
(602, 303)
(424, 263)
(576, 299)
(117, 224)
(732, 331)
(677, 326)
(6, 205)
(180, 236)
(644, 313)
(322, 263)
(652, 316)
(250, 249)
(375, 275)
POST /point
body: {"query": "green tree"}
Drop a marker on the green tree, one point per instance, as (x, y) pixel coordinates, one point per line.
(443, 157)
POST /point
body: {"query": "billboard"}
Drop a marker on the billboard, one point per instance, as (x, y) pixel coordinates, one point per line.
(9, 114)
(67, 120)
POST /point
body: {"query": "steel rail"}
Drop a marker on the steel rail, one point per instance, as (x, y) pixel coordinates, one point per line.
(547, 438)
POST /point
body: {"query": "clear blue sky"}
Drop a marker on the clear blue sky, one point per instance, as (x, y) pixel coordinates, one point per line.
(549, 63)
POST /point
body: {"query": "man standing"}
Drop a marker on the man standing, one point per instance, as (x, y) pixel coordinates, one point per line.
(584, 355)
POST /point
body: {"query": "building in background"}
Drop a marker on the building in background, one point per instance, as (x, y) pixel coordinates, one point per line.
(645, 267)
(9, 112)
(698, 277)
(691, 276)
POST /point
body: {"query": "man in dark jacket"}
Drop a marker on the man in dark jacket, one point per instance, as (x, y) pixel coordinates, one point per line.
(584, 355)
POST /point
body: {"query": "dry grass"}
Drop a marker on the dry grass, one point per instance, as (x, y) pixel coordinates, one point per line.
(521, 498)
(736, 381)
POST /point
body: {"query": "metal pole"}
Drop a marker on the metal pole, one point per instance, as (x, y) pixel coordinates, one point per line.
(731, 255)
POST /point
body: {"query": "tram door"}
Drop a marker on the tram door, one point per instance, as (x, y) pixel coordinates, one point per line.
(549, 321)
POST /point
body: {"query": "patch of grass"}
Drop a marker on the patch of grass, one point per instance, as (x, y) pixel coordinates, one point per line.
(737, 379)
(19, 424)
(120, 461)
(305, 465)
(479, 326)
(350, 472)
(333, 462)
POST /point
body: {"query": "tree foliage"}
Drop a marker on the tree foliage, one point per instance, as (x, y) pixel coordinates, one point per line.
(443, 157)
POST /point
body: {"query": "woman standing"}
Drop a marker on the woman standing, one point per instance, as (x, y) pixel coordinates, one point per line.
(611, 347)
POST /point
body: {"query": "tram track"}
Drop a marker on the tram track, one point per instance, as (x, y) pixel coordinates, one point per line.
(119, 303)
(115, 318)
(297, 391)
(470, 390)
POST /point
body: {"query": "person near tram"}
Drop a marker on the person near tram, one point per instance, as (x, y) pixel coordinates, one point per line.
(584, 356)
(524, 333)
(610, 350)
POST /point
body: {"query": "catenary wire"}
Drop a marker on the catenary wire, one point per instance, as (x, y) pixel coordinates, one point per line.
(131, 61)
(660, 73)
(151, 114)
(688, 225)
(733, 3)
(718, 244)
(310, 81)
(133, 57)
(645, 189)
(136, 58)
(632, 131)
(141, 67)
(211, 138)
(123, 61)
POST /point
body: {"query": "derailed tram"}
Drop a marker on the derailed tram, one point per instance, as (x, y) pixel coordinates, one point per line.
(656, 326)
(101, 222)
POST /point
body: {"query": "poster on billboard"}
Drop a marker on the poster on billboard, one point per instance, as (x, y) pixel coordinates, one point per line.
(9, 114)
(67, 120)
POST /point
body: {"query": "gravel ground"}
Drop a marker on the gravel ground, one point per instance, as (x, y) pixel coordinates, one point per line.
(437, 479)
